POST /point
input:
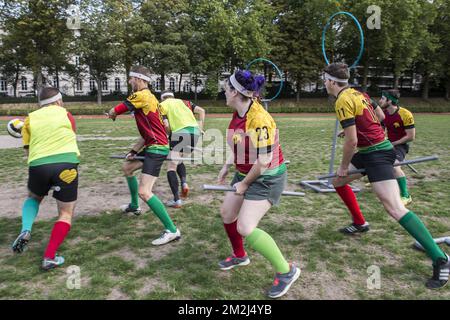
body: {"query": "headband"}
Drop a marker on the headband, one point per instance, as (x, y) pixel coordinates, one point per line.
(389, 97)
(239, 87)
(140, 76)
(330, 77)
(167, 94)
(51, 99)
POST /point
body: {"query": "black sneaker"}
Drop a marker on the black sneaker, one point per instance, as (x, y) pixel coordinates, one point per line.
(20, 243)
(440, 276)
(127, 208)
(233, 261)
(355, 228)
(283, 282)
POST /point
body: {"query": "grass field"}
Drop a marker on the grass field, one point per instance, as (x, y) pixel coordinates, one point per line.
(117, 261)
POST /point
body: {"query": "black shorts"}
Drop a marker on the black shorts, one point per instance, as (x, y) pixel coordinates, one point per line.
(62, 176)
(183, 142)
(379, 164)
(400, 151)
(152, 162)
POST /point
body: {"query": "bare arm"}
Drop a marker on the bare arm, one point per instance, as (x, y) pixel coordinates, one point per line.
(201, 114)
(350, 143)
(410, 136)
(380, 114)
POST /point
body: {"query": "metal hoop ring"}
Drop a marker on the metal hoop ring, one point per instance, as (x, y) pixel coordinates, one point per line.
(278, 71)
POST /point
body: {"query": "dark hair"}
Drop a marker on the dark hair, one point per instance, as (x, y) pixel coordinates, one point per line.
(142, 70)
(48, 93)
(249, 81)
(338, 70)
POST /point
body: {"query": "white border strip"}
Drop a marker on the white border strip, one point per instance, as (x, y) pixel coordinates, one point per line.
(167, 94)
(50, 100)
(140, 76)
(239, 87)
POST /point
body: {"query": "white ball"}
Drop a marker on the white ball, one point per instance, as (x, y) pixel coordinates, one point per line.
(14, 128)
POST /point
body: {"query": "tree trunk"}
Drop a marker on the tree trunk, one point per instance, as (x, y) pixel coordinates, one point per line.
(179, 83)
(297, 95)
(426, 86)
(99, 91)
(447, 91)
(127, 72)
(57, 78)
(195, 87)
(15, 83)
(38, 78)
(396, 81)
(163, 82)
(365, 80)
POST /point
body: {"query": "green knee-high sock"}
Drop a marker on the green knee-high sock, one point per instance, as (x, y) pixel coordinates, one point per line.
(29, 212)
(265, 245)
(403, 185)
(134, 187)
(158, 208)
(417, 229)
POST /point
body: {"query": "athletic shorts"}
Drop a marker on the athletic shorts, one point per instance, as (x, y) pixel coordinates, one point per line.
(183, 142)
(62, 176)
(400, 151)
(264, 188)
(152, 162)
(379, 164)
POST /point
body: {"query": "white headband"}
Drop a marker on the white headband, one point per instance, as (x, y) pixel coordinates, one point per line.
(140, 76)
(50, 100)
(330, 77)
(239, 87)
(167, 94)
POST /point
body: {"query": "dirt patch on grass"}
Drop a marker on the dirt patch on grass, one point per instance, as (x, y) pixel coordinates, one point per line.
(117, 294)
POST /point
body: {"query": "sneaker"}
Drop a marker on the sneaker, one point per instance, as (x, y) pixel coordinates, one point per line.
(167, 237)
(20, 243)
(283, 282)
(233, 261)
(126, 208)
(175, 204)
(184, 190)
(355, 228)
(406, 200)
(440, 276)
(48, 263)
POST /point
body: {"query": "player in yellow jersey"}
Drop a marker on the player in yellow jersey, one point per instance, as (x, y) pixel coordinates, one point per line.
(179, 120)
(259, 180)
(50, 143)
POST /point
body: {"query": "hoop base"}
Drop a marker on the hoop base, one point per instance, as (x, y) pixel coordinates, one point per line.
(322, 186)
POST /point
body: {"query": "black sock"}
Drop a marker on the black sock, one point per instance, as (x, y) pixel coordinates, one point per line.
(181, 170)
(173, 183)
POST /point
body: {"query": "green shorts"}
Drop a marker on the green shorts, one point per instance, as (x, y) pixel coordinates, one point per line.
(264, 188)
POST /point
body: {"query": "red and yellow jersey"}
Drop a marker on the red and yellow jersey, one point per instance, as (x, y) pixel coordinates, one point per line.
(396, 123)
(255, 133)
(353, 108)
(148, 120)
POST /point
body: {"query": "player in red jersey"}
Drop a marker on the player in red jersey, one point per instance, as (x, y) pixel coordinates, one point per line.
(399, 123)
(259, 180)
(376, 155)
(155, 147)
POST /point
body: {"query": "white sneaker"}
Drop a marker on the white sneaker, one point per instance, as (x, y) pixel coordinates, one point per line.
(166, 237)
(174, 204)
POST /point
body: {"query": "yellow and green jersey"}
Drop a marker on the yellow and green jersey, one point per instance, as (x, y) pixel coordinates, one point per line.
(180, 115)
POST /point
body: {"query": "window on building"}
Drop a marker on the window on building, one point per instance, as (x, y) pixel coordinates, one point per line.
(158, 84)
(24, 84)
(104, 85)
(117, 84)
(3, 85)
(92, 85)
(172, 84)
(79, 85)
(56, 82)
(187, 87)
(77, 61)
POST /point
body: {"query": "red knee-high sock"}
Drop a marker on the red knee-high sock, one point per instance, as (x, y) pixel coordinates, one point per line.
(59, 232)
(348, 196)
(236, 239)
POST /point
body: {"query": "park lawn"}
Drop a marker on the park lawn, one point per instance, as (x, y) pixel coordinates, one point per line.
(117, 261)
